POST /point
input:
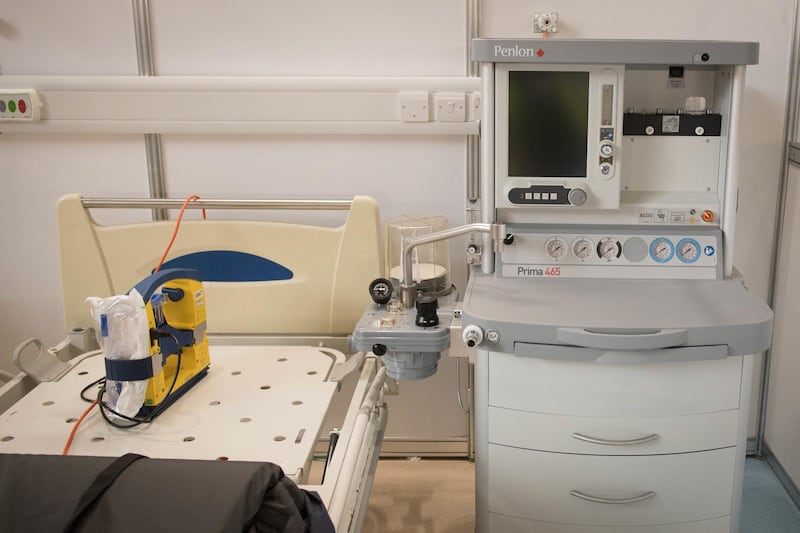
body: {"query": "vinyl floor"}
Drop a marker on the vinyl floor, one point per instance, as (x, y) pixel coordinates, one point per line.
(437, 496)
(766, 507)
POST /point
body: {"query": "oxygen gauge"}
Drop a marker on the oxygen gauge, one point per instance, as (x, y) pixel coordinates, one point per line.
(661, 250)
(688, 250)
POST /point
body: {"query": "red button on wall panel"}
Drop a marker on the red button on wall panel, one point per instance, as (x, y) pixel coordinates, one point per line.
(22, 106)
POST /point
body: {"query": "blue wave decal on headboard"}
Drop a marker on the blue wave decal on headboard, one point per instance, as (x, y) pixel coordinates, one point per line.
(226, 265)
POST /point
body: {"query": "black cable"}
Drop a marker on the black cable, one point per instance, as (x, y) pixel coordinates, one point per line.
(105, 409)
(138, 421)
(89, 386)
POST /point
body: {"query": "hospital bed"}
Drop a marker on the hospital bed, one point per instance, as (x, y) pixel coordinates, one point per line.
(275, 342)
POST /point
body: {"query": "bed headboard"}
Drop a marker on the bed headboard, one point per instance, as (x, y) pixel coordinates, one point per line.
(315, 283)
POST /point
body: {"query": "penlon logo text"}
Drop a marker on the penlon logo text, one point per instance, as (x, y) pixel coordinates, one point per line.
(515, 51)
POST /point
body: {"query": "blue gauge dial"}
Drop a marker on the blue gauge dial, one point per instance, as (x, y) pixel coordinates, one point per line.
(661, 250)
(688, 250)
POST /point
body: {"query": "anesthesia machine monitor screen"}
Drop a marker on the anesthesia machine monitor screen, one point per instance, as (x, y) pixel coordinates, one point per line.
(557, 131)
(547, 126)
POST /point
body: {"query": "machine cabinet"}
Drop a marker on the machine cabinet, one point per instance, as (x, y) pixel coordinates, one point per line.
(508, 524)
(574, 388)
(662, 489)
(612, 435)
(567, 446)
(613, 333)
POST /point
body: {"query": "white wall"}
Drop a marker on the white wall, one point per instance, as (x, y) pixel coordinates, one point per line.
(310, 38)
(38, 37)
(782, 433)
(782, 430)
(84, 37)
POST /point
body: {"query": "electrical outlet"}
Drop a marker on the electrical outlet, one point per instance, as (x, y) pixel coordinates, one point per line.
(450, 107)
(19, 105)
(414, 107)
(546, 22)
(473, 106)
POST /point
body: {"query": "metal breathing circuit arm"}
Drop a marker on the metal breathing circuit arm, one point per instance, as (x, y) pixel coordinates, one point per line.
(408, 294)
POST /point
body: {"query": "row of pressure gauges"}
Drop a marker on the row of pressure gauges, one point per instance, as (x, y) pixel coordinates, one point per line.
(636, 249)
(582, 248)
(662, 250)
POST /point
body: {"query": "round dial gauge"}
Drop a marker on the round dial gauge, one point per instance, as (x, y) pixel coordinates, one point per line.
(606, 149)
(555, 248)
(381, 291)
(688, 250)
(582, 248)
(609, 248)
(661, 250)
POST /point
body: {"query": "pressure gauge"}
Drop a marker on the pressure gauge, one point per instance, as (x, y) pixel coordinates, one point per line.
(380, 290)
(688, 250)
(661, 250)
(582, 248)
(609, 248)
(555, 248)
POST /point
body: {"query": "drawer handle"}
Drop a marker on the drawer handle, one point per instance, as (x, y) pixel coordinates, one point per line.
(622, 339)
(597, 499)
(608, 442)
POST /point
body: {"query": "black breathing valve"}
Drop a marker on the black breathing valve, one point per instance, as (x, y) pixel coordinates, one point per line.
(427, 304)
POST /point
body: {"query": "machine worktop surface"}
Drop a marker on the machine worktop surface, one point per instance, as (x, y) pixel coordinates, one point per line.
(533, 310)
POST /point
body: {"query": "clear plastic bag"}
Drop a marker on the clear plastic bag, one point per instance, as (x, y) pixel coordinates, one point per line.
(123, 333)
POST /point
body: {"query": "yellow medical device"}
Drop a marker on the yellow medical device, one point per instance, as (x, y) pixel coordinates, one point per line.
(179, 358)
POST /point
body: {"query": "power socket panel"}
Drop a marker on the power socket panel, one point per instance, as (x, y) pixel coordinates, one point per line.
(450, 107)
(415, 107)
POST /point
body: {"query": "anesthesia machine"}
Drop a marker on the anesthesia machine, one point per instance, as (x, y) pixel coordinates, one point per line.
(613, 339)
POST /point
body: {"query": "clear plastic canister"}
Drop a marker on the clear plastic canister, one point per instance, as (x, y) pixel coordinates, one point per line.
(430, 263)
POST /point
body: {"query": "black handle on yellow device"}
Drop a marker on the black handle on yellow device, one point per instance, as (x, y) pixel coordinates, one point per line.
(151, 283)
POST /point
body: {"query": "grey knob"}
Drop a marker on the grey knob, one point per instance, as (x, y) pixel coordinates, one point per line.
(577, 196)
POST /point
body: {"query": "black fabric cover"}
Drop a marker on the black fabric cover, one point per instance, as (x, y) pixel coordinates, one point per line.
(41, 492)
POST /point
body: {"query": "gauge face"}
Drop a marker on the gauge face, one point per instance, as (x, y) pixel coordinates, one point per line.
(556, 248)
(688, 250)
(661, 250)
(582, 248)
(381, 290)
(609, 248)
(606, 150)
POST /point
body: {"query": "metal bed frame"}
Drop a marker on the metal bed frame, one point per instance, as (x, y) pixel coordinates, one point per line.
(306, 368)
